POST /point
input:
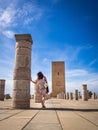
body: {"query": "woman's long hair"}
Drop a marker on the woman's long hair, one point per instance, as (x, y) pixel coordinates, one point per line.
(40, 75)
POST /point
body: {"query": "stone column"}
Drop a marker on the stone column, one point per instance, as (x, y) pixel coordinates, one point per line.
(94, 96)
(70, 96)
(76, 94)
(88, 94)
(67, 96)
(22, 71)
(84, 92)
(61, 95)
(79, 95)
(2, 89)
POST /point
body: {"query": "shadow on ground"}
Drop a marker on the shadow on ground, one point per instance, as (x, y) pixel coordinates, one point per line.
(56, 109)
(66, 109)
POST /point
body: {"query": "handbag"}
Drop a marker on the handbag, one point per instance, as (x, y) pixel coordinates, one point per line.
(46, 87)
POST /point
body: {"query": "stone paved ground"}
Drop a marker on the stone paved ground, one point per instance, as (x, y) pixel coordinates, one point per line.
(59, 115)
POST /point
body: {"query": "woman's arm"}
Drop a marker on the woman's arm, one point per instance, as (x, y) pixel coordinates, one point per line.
(33, 81)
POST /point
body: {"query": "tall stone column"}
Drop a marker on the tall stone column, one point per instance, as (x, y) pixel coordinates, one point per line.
(84, 92)
(2, 88)
(22, 71)
(67, 96)
(76, 94)
(70, 95)
(94, 96)
(61, 95)
(88, 94)
(79, 95)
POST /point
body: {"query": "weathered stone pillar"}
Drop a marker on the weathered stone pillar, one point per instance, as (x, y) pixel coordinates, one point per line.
(61, 95)
(22, 71)
(67, 96)
(94, 96)
(88, 94)
(76, 94)
(2, 89)
(79, 95)
(70, 95)
(84, 92)
(7, 96)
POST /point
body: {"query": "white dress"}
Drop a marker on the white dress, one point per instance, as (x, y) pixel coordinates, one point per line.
(40, 86)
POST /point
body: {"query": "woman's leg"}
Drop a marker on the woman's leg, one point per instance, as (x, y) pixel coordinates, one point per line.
(43, 101)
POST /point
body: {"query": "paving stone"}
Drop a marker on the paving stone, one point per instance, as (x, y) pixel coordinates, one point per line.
(60, 114)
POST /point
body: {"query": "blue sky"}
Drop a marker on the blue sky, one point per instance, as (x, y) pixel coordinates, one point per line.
(62, 30)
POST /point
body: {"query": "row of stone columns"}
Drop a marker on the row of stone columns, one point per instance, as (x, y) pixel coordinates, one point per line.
(94, 96)
(76, 95)
(68, 95)
(61, 95)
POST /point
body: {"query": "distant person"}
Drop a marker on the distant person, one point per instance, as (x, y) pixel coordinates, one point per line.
(40, 84)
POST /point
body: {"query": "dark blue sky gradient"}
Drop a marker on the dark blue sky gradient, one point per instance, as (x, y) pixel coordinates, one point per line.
(72, 22)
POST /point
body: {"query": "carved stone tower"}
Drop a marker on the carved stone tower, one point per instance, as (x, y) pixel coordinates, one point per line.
(58, 78)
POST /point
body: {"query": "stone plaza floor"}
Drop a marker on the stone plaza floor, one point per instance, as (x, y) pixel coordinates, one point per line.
(60, 114)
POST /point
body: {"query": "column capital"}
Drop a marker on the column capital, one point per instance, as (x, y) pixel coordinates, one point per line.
(26, 37)
(2, 79)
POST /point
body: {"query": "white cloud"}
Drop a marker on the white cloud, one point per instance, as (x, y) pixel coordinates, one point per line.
(75, 53)
(46, 61)
(76, 72)
(28, 20)
(28, 13)
(75, 79)
(8, 33)
(92, 62)
(6, 68)
(14, 16)
(7, 16)
(25, 9)
(8, 86)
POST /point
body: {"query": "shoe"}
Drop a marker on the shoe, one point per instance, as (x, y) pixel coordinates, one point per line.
(43, 106)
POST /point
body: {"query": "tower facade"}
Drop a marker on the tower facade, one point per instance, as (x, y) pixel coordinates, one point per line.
(58, 78)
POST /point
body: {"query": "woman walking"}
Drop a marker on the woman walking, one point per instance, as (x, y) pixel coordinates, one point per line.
(40, 85)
